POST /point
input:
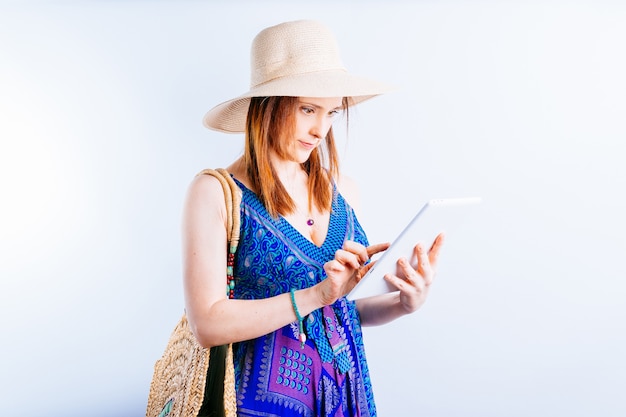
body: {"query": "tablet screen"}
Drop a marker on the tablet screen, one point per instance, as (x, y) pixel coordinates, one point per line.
(436, 216)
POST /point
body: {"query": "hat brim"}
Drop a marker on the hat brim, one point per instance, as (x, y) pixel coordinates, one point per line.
(230, 116)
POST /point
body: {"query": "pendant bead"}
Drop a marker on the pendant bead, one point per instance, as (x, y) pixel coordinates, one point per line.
(310, 222)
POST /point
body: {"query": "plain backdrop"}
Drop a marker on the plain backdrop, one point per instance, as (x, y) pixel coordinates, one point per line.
(521, 103)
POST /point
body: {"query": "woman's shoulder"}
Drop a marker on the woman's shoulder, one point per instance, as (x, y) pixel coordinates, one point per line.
(205, 193)
(206, 183)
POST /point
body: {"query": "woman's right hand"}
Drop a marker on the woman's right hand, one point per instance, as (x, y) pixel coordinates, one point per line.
(346, 270)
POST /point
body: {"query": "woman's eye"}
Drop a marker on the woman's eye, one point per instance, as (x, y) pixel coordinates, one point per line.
(307, 110)
(334, 113)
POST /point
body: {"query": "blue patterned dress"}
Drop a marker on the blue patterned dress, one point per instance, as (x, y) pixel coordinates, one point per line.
(274, 375)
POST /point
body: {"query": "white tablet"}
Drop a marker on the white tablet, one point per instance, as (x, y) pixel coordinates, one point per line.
(436, 216)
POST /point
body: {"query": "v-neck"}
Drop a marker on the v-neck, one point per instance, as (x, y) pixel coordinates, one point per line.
(293, 229)
(289, 230)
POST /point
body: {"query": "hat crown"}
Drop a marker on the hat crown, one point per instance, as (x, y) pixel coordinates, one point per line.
(295, 59)
(293, 48)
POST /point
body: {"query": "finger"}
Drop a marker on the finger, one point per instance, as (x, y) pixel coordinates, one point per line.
(357, 249)
(423, 264)
(406, 285)
(396, 282)
(377, 248)
(433, 252)
(334, 266)
(409, 274)
(363, 270)
(348, 258)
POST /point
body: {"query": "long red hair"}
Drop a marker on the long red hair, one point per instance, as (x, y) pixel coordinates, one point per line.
(271, 120)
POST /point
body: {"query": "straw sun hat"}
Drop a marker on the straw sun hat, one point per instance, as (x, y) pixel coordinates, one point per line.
(297, 59)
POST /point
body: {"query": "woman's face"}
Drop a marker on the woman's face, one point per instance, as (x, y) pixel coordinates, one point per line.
(314, 117)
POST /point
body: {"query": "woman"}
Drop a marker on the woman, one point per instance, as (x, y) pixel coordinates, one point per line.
(301, 248)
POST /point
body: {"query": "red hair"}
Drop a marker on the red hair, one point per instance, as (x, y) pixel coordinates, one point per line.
(270, 121)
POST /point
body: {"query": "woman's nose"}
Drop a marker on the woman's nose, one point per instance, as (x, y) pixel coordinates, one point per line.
(320, 127)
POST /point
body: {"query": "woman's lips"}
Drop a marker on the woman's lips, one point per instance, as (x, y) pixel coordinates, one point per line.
(307, 145)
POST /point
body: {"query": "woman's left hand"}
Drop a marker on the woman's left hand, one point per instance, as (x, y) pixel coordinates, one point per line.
(414, 283)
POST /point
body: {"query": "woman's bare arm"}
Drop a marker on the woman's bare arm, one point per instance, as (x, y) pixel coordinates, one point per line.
(214, 318)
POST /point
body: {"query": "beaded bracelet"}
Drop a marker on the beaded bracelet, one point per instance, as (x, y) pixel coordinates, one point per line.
(302, 335)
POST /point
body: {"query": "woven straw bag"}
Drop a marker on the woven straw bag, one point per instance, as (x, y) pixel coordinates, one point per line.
(179, 382)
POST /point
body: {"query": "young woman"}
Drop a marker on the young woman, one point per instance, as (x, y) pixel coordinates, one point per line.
(301, 249)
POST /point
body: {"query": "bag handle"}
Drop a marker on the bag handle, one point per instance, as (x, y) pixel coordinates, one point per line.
(232, 197)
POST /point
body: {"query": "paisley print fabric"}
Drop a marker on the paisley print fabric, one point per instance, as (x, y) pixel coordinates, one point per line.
(274, 375)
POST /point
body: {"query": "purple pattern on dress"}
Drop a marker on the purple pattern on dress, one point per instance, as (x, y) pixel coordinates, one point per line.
(275, 376)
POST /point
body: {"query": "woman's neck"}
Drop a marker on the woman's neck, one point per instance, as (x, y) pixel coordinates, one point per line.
(291, 175)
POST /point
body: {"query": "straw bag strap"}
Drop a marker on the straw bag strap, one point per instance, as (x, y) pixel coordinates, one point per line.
(232, 198)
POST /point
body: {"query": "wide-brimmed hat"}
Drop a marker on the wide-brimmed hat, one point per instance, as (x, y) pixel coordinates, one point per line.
(297, 59)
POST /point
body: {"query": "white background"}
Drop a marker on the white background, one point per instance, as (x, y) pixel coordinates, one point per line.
(522, 103)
